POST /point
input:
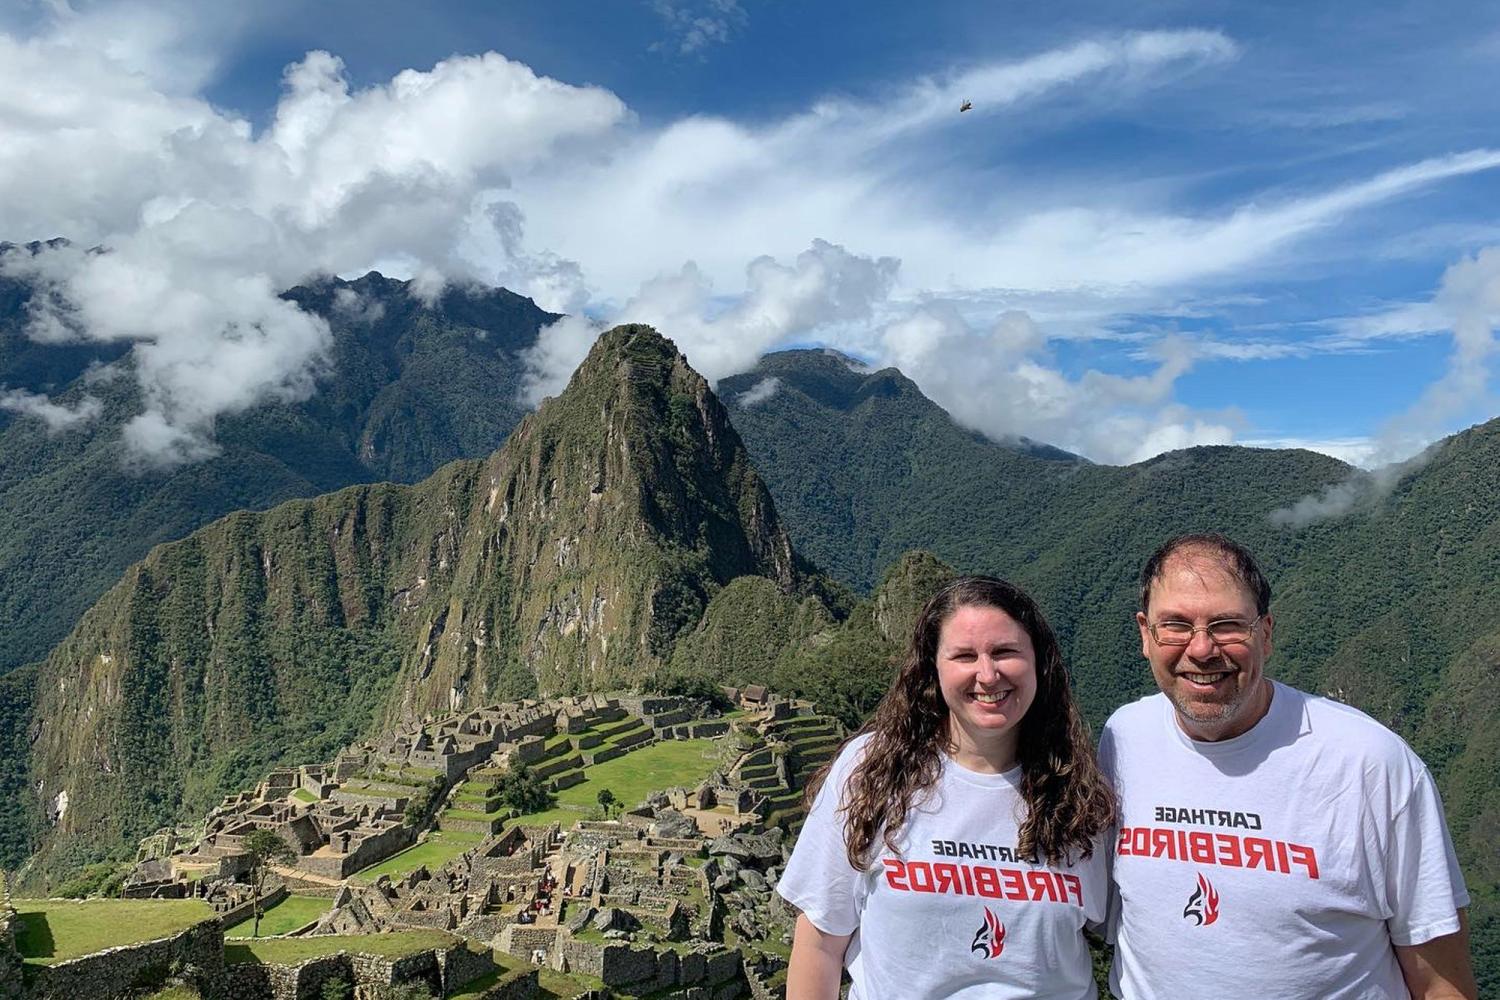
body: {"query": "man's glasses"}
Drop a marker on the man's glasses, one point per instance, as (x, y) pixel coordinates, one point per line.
(1225, 631)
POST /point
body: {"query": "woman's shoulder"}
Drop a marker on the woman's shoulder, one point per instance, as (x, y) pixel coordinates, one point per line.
(848, 758)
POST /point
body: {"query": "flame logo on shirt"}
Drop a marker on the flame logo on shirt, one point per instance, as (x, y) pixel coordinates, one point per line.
(989, 940)
(1203, 904)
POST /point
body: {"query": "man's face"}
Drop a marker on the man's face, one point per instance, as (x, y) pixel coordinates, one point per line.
(1219, 690)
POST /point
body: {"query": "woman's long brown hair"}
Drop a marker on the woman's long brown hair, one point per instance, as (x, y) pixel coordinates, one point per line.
(1068, 801)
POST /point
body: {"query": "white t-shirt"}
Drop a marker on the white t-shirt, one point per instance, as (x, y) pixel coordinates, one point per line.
(954, 914)
(1284, 862)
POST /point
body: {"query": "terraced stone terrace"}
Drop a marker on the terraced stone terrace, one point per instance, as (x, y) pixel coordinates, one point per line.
(54, 930)
(290, 951)
(290, 914)
(438, 849)
(631, 778)
(802, 744)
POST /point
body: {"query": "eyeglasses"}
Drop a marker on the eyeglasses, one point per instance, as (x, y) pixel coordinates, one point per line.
(1225, 631)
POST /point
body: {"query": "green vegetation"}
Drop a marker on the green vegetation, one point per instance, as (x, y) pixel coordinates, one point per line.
(421, 804)
(52, 931)
(303, 795)
(438, 849)
(521, 790)
(290, 951)
(404, 393)
(631, 778)
(20, 816)
(286, 916)
(264, 849)
(176, 993)
(103, 879)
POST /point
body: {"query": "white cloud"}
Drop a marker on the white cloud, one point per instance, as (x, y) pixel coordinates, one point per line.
(824, 288)
(694, 25)
(1356, 451)
(557, 191)
(1469, 298)
(758, 393)
(357, 308)
(997, 381)
(206, 223)
(56, 416)
(559, 348)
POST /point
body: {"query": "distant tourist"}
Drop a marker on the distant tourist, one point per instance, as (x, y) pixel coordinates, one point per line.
(1271, 843)
(959, 841)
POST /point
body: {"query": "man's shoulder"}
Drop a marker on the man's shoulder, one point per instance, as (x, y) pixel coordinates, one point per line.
(1132, 715)
(1343, 730)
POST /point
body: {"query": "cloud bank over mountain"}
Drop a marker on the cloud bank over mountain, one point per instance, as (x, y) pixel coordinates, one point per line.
(842, 223)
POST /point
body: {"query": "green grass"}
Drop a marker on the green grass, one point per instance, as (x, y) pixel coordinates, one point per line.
(553, 984)
(476, 988)
(303, 795)
(434, 852)
(55, 930)
(176, 993)
(632, 777)
(287, 915)
(290, 951)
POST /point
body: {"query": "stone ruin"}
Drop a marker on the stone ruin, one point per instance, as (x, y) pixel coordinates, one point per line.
(643, 900)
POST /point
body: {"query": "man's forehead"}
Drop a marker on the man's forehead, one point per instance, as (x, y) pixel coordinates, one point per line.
(1201, 568)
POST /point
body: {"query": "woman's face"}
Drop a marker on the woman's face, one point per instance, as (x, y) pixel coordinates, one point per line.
(987, 672)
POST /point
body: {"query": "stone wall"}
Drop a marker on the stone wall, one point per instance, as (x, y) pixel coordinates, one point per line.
(371, 850)
(481, 826)
(646, 970)
(519, 984)
(760, 989)
(459, 965)
(441, 970)
(523, 939)
(235, 914)
(252, 981)
(377, 970)
(10, 958)
(196, 954)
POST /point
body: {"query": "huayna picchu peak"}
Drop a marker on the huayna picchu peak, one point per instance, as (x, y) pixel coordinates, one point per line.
(568, 561)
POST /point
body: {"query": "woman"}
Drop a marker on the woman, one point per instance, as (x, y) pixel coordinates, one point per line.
(956, 846)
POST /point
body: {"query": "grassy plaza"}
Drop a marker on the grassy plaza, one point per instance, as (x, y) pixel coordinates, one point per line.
(54, 930)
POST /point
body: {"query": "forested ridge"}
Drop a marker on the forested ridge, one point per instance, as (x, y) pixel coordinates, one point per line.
(407, 387)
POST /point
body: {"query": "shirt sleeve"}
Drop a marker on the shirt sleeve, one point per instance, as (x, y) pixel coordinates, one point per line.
(818, 879)
(1423, 882)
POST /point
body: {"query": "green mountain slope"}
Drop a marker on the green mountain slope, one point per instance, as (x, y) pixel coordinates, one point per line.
(865, 468)
(570, 560)
(407, 388)
(1394, 607)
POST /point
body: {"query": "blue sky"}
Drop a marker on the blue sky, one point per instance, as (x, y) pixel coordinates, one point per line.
(1162, 224)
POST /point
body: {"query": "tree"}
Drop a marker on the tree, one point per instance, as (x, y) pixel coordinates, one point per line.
(264, 848)
(523, 791)
(422, 803)
(606, 800)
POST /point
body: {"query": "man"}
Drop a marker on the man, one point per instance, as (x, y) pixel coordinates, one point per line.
(1272, 843)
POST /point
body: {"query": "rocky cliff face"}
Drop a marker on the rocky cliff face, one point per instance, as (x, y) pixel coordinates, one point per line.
(569, 560)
